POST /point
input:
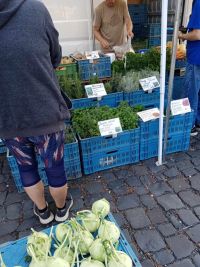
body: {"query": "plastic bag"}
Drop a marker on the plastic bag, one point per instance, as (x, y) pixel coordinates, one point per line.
(121, 50)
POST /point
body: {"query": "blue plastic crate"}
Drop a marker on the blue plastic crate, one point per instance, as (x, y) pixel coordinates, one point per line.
(140, 97)
(140, 30)
(178, 89)
(138, 18)
(14, 252)
(111, 100)
(2, 149)
(137, 8)
(111, 158)
(177, 125)
(155, 29)
(156, 40)
(176, 143)
(100, 67)
(104, 143)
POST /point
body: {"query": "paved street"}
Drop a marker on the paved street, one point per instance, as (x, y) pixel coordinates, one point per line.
(158, 208)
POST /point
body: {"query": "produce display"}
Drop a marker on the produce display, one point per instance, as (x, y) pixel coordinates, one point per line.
(88, 240)
(85, 121)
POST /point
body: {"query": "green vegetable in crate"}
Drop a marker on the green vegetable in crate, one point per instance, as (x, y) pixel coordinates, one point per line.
(57, 262)
(89, 220)
(72, 87)
(64, 253)
(94, 79)
(2, 264)
(97, 250)
(109, 231)
(85, 240)
(120, 259)
(63, 230)
(38, 245)
(101, 208)
(91, 263)
(85, 121)
(118, 67)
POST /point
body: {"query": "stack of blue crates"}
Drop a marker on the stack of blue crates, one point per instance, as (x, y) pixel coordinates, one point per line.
(138, 14)
(155, 34)
(178, 138)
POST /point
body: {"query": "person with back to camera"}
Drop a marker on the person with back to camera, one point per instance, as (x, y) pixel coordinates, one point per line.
(32, 108)
(192, 79)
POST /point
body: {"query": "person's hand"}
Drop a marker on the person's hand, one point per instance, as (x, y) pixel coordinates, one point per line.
(104, 44)
(180, 35)
(130, 34)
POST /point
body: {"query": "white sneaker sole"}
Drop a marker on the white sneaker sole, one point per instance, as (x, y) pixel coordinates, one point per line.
(64, 218)
(45, 221)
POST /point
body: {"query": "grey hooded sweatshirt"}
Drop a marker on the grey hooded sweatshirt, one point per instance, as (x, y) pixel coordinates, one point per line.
(31, 103)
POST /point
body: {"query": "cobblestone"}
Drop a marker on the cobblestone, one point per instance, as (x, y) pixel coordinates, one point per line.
(164, 257)
(128, 202)
(137, 218)
(179, 184)
(180, 245)
(183, 263)
(190, 198)
(156, 216)
(194, 233)
(170, 202)
(187, 217)
(160, 188)
(167, 229)
(149, 240)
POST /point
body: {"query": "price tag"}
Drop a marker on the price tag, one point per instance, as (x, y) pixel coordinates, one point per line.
(149, 84)
(180, 106)
(95, 90)
(150, 114)
(110, 127)
(92, 55)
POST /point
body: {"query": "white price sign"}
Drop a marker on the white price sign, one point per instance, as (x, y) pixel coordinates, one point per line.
(150, 114)
(95, 90)
(92, 55)
(110, 127)
(149, 84)
(180, 106)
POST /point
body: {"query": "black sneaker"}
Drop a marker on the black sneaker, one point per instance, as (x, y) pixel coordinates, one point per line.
(45, 217)
(62, 215)
(197, 126)
(194, 131)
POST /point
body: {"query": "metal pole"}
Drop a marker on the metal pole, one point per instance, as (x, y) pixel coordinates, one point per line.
(172, 68)
(162, 75)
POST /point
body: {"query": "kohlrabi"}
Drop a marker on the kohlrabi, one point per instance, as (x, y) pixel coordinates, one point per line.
(120, 259)
(101, 208)
(97, 250)
(57, 262)
(89, 220)
(62, 230)
(91, 263)
(109, 231)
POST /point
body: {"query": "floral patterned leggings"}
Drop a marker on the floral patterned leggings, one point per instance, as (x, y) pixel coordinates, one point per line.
(50, 147)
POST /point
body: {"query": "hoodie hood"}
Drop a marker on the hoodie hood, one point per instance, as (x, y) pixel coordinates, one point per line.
(8, 8)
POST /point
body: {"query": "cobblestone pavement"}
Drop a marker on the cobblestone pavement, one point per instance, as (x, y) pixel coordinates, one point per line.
(158, 208)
